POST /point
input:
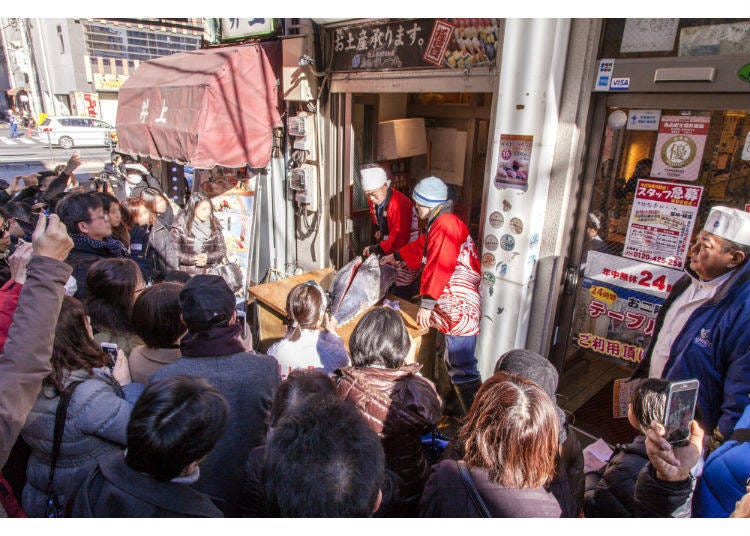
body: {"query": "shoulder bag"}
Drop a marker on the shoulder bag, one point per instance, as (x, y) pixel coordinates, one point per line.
(54, 507)
(229, 272)
(471, 489)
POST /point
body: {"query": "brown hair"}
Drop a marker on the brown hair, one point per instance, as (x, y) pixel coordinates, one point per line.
(511, 432)
(130, 207)
(73, 348)
(120, 232)
(156, 315)
(149, 195)
(110, 293)
(304, 305)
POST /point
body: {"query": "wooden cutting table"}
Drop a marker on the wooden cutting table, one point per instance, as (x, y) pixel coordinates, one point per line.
(270, 302)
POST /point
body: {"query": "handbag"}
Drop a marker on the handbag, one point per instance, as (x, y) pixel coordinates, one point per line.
(229, 272)
(54, 507)
(471, 489)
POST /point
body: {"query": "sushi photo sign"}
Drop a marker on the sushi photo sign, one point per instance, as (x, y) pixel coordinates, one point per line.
(514, 161)
(415, 43)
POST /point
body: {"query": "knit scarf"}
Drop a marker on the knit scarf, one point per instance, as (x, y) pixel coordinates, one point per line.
(201, 233)
(114, 246)
(212, 342)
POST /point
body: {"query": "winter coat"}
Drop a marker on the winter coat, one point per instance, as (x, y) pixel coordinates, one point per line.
(144, 361)
(722, 482)
(571, 463)
(112, 489)
(25, 361)
(445, 496)
(248, 381)
(400, 406)
(151, 249)
(317, 349)
(124, 341)
(659, 498)
(9, 294)
(610, 491)
(450, 277)
(96, 426)
(253, 498)
(714, 347)
(184, 246)
(80, 259)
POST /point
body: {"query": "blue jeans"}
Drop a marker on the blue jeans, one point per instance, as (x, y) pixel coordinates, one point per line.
(13, 130)
(460, 362)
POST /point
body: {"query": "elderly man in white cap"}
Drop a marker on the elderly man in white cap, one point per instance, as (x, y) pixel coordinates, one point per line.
(390, 210)
(136, 179)
(449, 286)
(702, 330)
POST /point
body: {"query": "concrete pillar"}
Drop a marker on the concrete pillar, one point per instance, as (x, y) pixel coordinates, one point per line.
(527, 104)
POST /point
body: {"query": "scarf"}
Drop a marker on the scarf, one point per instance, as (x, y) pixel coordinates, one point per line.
(114, 246)
(212, 342)
(201, 233)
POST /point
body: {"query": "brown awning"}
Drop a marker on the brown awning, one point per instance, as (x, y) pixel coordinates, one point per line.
(205, 108)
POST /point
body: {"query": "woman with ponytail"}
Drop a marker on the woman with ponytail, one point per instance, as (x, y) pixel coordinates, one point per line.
(309, 345)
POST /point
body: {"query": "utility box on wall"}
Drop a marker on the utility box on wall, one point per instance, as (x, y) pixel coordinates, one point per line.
(401, 138)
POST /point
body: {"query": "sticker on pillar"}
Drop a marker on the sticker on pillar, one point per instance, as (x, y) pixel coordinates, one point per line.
(507, 205)
(516, 225)
(501, 268)
(534, 240)
(513, 164)
(744, 73)
(490, 242)
(488, 279)
(496, 220)
(507, 242)
(488, 260)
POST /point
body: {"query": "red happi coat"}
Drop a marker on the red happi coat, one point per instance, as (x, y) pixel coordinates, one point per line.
(403, 227)
(451, 274)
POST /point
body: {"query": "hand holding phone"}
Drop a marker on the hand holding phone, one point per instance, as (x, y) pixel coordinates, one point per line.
(111, 349)
(680, 410)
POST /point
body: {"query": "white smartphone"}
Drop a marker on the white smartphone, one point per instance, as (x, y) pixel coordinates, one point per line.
(241, 318)
(681, 399)
(111, 349)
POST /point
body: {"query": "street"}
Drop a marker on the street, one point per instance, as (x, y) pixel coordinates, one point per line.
(21, 156)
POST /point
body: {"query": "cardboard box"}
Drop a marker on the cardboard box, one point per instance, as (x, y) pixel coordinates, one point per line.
(401, 138)
(447, 154)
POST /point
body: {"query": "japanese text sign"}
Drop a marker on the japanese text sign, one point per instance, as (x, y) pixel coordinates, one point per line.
(679, 147)
(661, 222)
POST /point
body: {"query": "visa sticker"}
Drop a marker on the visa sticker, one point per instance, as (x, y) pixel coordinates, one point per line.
(620, 84)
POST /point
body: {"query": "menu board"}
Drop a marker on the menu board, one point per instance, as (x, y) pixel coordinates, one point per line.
(661, 222)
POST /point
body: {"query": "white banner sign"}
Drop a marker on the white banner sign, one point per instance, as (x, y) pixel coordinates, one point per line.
(630, 274)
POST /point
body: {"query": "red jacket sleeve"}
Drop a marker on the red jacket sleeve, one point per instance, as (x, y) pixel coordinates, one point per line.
(412, 252)
(398, 213)
(8, 302)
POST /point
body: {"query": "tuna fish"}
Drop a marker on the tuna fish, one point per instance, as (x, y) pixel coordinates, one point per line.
(358, 286)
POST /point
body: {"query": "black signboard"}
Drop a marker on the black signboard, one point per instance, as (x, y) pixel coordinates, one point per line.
(415, 44)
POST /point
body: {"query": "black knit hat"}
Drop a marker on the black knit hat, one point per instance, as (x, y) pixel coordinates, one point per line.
(531, 366)
(206, 301)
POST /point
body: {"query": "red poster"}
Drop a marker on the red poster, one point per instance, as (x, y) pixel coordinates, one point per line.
(438, 43)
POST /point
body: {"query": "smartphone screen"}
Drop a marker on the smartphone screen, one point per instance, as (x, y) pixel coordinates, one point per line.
(241, 319)
(111, 350)
(680, 410)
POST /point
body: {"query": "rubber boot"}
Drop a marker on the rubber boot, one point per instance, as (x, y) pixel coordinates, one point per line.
(466, 392)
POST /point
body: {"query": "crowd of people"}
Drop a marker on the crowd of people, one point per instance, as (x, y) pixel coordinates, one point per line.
(133, 387)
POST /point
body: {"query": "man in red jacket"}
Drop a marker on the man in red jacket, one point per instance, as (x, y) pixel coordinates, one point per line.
(450, 283)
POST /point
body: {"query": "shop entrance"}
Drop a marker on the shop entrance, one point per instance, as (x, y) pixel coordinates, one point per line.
(632, 242)
(456, 126)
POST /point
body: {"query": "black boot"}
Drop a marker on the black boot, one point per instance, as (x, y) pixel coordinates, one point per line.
(466, 392)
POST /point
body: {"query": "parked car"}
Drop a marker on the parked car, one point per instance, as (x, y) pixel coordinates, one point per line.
(68, 132)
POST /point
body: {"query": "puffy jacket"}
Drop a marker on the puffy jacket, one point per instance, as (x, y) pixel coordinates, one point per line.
(80, 259)
(400, 406)
(183, 245)
(96, 426)
(727, 469)
(659, 498)
(609, 492)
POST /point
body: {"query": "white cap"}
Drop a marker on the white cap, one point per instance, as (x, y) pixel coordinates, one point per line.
(372, 178)
(139, 168)
(729, 223)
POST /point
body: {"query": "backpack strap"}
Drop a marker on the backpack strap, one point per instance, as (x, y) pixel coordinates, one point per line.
(741, 435)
